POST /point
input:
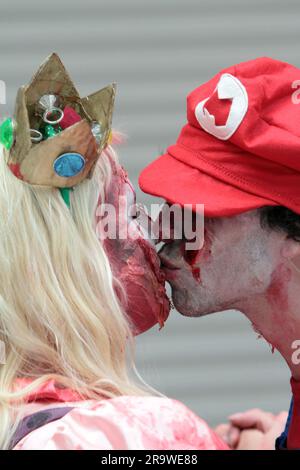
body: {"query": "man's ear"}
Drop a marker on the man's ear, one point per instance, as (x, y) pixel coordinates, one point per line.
(291, 250)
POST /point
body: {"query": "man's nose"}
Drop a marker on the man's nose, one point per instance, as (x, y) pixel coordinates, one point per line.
(170, 254)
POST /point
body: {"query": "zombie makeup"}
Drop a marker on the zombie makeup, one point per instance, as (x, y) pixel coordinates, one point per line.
(241, 266)
(236, 262)
(140, 284)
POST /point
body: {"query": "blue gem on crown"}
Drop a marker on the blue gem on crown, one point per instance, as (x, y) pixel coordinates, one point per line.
(69, 164)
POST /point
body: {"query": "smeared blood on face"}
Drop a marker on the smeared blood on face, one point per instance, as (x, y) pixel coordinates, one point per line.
(136, 265)
(277, 292)
(192, 257)
(196, 274)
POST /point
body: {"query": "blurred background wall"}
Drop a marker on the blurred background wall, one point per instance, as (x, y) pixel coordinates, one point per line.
(158, 51)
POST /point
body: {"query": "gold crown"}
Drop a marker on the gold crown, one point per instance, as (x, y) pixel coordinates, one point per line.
(67, 158)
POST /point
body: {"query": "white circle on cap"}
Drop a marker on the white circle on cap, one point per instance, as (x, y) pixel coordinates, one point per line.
(229, 87)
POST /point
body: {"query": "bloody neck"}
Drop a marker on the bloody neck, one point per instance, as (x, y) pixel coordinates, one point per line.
(275, 314)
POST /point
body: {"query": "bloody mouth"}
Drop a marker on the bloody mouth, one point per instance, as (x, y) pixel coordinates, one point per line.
(143, 281)
(191, 258)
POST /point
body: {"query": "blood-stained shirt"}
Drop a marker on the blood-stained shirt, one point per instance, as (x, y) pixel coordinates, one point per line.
(121, 423)
(290, 438)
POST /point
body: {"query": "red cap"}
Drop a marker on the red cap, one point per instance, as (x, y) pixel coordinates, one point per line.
(240, 149)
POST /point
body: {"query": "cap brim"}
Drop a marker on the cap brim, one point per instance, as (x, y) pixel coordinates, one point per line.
(179, 183)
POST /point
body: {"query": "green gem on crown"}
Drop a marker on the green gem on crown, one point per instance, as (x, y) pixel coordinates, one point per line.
(49, 131)
(7, 133)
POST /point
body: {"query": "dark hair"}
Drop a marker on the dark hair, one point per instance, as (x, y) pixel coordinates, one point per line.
(281, 218)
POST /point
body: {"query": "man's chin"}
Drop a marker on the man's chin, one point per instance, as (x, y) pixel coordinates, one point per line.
(187, 309)
(191, 314)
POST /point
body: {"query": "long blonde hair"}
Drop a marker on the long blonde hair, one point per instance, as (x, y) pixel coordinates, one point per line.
(59, 315)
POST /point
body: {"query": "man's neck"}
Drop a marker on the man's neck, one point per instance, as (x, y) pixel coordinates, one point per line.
(275, 314)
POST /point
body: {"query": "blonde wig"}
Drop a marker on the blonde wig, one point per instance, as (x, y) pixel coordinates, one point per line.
(59, 315)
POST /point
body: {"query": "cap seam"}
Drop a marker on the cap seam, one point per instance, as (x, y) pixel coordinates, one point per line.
(232, 175)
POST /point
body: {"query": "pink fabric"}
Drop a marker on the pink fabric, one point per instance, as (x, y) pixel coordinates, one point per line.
(48, 391)
(120, 423)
